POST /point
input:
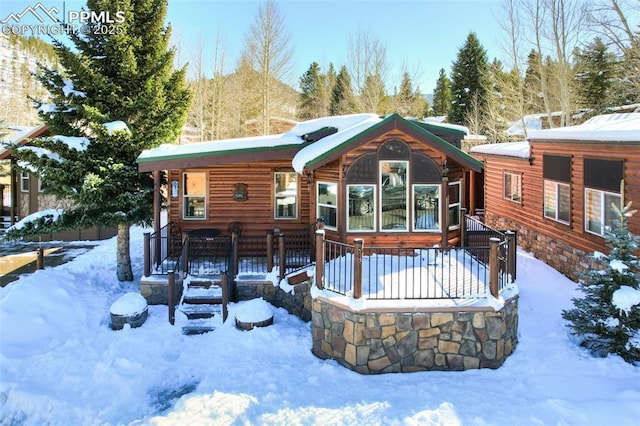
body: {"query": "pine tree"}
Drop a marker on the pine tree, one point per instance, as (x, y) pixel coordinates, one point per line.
(602, 326)
(468, 79)
(596, 72)
(116, 94)
(342, 96)
(405, 98)
(312, 88)
(442, 95)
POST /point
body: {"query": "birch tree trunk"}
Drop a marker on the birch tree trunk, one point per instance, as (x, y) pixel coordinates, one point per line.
(122, 254)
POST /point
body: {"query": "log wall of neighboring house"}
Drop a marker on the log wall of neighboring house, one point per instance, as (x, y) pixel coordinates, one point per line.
(566, 247)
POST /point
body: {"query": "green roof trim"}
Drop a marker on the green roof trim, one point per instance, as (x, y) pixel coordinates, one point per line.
(170, 157)
(445, 129)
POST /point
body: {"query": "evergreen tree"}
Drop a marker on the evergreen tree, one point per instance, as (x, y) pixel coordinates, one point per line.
(312, 88)
(596, 74)
(405, 99)
(468, 80)
(533, 98)
(342, 96)
(598, 320)
(374, 98)
(442, 95)
(116, 95)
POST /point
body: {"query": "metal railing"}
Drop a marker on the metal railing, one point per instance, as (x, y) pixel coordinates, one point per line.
(162, 250)
(380, 273)
(207, 256)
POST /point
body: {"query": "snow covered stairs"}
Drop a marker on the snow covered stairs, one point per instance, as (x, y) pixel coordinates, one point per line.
(204, 305)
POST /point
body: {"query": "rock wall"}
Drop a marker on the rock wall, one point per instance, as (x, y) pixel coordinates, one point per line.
(297, 302)
(393, 342)
(570, 261)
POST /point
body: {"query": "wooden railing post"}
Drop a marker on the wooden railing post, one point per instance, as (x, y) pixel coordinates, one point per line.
(269, 251)
(147, 254)
(494, 268)
(282, 256)
(225, 295)
(171, 296)
(512, 253)
(463, 227)
(319, 275)
(358, 244)
(40, 259)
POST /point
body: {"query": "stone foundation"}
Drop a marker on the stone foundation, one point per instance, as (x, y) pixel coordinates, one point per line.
(568, 260)
(154, 289)
(392, 342)
(297, 302)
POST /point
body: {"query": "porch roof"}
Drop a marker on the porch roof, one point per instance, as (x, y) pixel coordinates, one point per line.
(298, 145)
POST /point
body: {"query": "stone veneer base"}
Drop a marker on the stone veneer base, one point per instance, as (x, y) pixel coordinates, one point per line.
(374, 342)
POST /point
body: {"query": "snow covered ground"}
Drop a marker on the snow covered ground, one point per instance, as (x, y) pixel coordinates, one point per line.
(61, 364)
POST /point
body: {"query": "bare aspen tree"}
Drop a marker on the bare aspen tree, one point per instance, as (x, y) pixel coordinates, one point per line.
(268, 49)
(217, 90)
(197, 112)
(368, 67)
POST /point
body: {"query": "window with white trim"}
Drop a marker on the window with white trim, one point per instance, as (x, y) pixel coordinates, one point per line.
(327, 196)
(286, 195)
(557, 201)
(393, 195)
(512, 186)
(426, 207)
(24, 181)
(194, 195)
(599, 212)
(361, 207)
(455, 189)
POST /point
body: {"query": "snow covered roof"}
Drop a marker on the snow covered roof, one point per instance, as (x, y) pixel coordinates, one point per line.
(621, 127)
(296, 144)
(507, 149)
(20, 137)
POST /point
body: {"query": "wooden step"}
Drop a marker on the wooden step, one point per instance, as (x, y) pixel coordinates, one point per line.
(202, 295)
(201, 311)
(200, 326)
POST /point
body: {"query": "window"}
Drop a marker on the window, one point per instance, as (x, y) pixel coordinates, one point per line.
(393, 195)
(426, 202)
(557, 201)
(24, 181)
(362, 207)
(512, 187)
(599, 212)
(328, 203)
(286, 195)
(454, 205)
(194, 190)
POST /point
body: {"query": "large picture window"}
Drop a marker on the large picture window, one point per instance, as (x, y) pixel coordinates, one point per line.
(426, 207)
(327, 196)
(598, 210)
(362, 207)
(557, 201)
(512, 187)
(393, 195)
(286, 195)
(194, 195)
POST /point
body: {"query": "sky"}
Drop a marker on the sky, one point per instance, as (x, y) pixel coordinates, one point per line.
(421, 36)
(61, 364)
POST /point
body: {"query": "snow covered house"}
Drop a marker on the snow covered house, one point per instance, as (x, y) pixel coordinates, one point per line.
(23, 193)
(557, 188)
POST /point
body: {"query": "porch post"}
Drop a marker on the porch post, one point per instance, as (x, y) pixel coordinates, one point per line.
(512, 253)
(269, 250)
(494, 267)
(14, 191)
(357, 267)
(147, 254)
(319, 275)
(171, 296)
(156, 217)
(472, 192)
(282, 254)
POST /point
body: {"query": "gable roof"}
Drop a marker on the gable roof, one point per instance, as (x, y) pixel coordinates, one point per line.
(309, 144)
(620, 127)
(21, 138)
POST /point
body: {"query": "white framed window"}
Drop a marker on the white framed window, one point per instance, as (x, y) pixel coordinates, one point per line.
(361, 208)
(598, 210)
(426, 208)
(557, 201)
(455, 195)
(327, 196)
(24, 181)
(286, 195)
(512, 187)
(393, 180)
(194, 195)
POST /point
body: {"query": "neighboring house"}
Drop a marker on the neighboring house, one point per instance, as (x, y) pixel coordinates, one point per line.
(390, 181)
(557, 188)
(25, 194)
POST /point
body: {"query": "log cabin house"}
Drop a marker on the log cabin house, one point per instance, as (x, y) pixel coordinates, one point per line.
(556, 189)
(388, 180)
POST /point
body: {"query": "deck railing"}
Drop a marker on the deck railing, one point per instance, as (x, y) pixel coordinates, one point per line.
(414, 273)
(162, 249)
